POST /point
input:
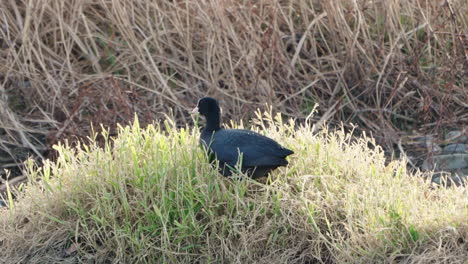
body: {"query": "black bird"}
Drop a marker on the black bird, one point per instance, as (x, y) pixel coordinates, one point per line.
(259, 154)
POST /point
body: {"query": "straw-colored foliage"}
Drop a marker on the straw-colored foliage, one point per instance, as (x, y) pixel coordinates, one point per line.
(385, 65)
(150, 196)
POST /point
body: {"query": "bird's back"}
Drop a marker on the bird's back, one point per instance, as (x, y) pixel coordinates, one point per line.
(256, 150)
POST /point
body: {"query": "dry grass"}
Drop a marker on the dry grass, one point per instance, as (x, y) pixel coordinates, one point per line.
(150, 196)
(385, 65)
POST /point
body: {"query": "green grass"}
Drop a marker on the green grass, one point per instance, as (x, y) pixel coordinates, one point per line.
(150, 196)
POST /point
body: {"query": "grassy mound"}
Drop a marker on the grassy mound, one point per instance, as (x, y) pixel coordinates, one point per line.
(149, 196)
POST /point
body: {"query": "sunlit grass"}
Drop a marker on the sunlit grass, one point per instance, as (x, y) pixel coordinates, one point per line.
(149, 196)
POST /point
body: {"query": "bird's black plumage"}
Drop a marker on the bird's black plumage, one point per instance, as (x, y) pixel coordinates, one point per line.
(259, 154)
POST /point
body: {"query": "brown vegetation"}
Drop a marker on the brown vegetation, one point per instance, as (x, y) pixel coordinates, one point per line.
(385, 65)
(388, 66)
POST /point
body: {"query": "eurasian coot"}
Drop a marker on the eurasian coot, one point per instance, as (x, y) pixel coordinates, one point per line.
(259, 154)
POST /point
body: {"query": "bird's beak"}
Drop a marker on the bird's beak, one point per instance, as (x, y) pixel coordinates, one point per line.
(194, 111)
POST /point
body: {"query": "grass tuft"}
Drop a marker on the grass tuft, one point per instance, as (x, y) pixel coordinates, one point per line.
(150, 196)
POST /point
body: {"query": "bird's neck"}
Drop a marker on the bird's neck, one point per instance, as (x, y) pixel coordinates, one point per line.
(212, 123)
